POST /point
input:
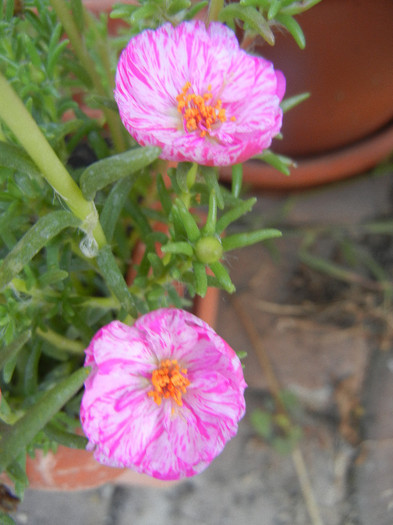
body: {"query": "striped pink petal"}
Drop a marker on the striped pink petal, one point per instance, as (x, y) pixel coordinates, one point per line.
(156, 66)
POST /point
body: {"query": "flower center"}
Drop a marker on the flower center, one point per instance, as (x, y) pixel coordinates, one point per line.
(197, 110)
(169, 381)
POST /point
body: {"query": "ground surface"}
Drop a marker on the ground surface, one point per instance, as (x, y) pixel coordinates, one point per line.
(329, 342)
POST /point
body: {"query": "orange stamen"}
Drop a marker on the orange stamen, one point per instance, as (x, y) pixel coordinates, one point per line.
(197, 111)
(169, 381)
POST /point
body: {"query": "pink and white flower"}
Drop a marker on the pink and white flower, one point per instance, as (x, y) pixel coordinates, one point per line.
(193, 92)
(164, 395)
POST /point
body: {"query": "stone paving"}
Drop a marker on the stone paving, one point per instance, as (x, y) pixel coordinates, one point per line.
(326, 352)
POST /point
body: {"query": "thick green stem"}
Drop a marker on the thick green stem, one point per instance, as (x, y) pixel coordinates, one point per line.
(29, 135)
(85, 59)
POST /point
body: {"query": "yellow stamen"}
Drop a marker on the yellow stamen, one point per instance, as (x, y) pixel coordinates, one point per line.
(197, 111)
(169, 381)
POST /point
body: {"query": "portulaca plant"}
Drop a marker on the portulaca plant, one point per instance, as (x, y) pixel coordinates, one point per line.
(91, 358)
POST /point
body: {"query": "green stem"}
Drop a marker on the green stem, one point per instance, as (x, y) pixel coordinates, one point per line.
(29, 135)
(215, 6)
(85, 59)
(237, 179)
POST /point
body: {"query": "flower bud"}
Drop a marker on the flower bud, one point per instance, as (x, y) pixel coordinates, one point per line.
(208, 250)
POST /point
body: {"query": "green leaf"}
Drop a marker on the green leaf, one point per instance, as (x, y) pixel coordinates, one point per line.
(15, 157)
(31, 50)
(21, 434)
(114, 204)
(33, 241)
(122, 10)
(30, 372)
(210, 225)
(164, 195)
(51, 277)
(200, 278)
(109, 170)
(295, 8)
(67, 439)
(53, 57)
(294, 28)
(9, 367)
(147, 11)
(139, 218)
(178, 5)
(182, 248)
(280, 162)
(182, 171)
(241, 354)
(240, 240)
(189, 222)
(156, 264)
(17, 473)
(232, 215)
(274, 8)
(251, 16)
(101, 102)
(210, 175)
(291, 102)
(222, 276)
(11, 350)
(263, 4)
(114, 280)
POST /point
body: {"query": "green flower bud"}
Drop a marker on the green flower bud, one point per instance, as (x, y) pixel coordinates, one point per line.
(208, 250)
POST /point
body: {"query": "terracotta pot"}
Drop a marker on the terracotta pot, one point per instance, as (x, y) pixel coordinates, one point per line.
(72, 469)
(347, 66)
(316, 170)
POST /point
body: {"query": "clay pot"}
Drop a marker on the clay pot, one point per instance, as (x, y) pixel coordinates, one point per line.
(346, 126)
(73, 469)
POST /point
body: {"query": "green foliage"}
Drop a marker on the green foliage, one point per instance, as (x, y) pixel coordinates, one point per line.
(36, 59)
(152, 236)
(259, 17)
(109, 170)
(152, 13)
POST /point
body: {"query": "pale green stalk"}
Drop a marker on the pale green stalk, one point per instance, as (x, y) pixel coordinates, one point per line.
(29, 135)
